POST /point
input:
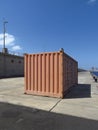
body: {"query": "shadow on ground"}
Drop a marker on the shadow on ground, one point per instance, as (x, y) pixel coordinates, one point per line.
(14, 117)
(13, 76)
(80, 91)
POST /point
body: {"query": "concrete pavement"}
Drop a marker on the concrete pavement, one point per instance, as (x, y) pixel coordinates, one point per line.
(77, 111)
(12, 91)
(82, 101)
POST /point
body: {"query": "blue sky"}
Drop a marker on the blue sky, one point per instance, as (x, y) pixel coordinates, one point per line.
(47, 25)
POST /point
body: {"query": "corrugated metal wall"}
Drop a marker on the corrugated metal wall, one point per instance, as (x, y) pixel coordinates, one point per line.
(43, 74)
(70, 73)
(49, 74)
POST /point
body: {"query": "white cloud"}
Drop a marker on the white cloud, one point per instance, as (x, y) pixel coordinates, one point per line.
(9, 39)
(16, 48)
(9, 42)
(92, 1)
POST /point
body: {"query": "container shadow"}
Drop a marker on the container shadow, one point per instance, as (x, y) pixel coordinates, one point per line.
(79, 91)
(14, 76)
(15, 117)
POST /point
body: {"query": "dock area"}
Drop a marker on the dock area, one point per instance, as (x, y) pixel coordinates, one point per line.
(77, 111)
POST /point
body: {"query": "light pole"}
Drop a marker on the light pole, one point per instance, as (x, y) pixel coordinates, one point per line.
(4, 31)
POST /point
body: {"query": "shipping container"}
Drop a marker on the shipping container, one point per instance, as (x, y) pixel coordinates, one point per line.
(50, 74)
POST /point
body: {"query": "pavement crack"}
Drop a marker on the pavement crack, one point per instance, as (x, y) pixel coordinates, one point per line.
(54, 105)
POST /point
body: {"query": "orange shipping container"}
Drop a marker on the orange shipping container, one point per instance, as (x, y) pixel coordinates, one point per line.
(50, 74)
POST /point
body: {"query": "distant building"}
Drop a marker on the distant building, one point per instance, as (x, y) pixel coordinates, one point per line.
(11, 65)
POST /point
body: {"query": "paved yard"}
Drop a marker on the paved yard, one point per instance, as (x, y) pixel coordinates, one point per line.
(77, 111)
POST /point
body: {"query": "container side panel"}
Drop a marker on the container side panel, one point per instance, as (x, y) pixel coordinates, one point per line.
(65, 73)
(51, 74)
(39, 73)
(49, 71)
(70, 72)
(48, 74)
(58, 72)
(61, 74)
(32, 74)
(45, 57)
(43, 73)
(29, 72)
(36, 73)
(55, 73)
(58, 77)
